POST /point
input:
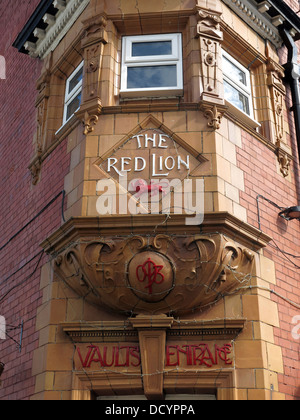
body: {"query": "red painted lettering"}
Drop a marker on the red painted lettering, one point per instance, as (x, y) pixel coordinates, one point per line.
(223, 352)
(117, 352)
(85, 362)
(169, 354)
(188, 352)
(205, 356)
(186, 355)
(135, 353)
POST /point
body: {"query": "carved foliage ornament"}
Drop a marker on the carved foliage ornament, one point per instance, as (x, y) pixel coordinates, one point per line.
(88, 122)
(214, 114)
(157, 274)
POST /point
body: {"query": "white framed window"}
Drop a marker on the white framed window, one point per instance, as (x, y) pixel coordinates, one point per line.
(152, 66)
(73, 93)
(237, 85)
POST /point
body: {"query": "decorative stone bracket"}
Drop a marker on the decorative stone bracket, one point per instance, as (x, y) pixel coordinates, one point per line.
(153, 335)
(150, 273)
(214, 114)
(158, 274)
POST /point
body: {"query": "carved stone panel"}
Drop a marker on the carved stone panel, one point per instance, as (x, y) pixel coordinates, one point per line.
(210, 37)
(275, 75)
(160, 273)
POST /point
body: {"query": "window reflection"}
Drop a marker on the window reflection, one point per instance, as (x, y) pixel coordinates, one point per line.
(234, 72)
(75, 80)
(152, 76)
(73, 106)
(144, 49)
(236, 98)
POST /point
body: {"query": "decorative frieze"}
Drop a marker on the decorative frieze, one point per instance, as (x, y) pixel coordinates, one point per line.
(160, 345)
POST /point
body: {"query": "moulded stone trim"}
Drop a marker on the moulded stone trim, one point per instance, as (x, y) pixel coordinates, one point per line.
(250, 14)
(58, 29)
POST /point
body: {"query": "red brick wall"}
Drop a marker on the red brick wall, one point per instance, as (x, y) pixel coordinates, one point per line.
(20, 202)
(261, 177)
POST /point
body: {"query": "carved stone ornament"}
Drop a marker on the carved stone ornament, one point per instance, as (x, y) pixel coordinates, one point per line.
(88, 122)
(35, 169)
(210, 38)
(275, 75)
(209, 24)
(92, 45)
(284, 162)
(214, 114)
(161, 273)
(43, 87)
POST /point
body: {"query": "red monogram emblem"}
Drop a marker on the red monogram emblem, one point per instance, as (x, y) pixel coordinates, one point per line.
(151, 273)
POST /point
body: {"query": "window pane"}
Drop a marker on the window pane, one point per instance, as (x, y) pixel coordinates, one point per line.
(236, 98)
(152, 76)
(234, 72)
(144, 49)
(75, 80)
(73, 106)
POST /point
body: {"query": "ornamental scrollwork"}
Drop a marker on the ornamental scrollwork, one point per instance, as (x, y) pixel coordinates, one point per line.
(156, 274)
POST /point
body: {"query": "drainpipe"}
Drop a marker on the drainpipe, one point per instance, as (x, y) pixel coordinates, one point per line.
(293, 76)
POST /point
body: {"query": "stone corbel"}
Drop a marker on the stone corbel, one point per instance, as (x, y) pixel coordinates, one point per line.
(152, 332)
(214, 114)
(283, 160)
(89, 121)
(93, 47)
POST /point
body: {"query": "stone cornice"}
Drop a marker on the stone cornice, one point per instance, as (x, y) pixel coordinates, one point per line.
(260, 23)
(58, 17)
(222, 222)
(112, 331)
(64, 21)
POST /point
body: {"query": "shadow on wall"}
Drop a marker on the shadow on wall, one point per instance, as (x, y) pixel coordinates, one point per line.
(2, 67)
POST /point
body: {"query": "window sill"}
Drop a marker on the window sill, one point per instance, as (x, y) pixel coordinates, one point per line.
(242, 116)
